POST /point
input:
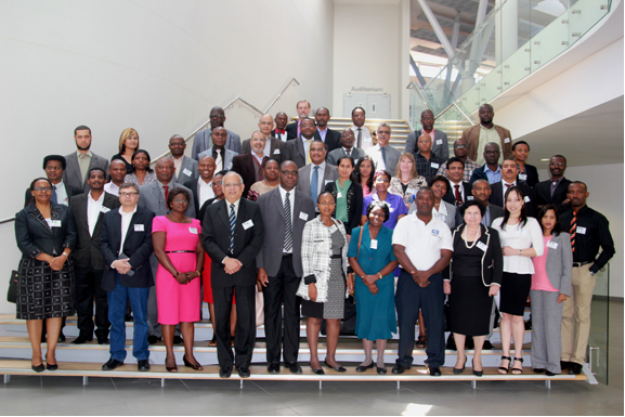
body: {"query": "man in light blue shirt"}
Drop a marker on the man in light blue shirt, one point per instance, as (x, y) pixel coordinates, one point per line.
(491, 170)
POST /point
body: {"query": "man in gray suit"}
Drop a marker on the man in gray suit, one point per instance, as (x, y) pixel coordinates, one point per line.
(203, 138)
(153, 197)
(384, 155)
(440, 146)
(222, 156)
(274, 148)
(346, 149)
(297, 150)
(285, 211)
(314, 176)
(186, 168)
(80, 162)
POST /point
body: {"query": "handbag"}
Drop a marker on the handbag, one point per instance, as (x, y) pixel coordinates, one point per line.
(12, 292)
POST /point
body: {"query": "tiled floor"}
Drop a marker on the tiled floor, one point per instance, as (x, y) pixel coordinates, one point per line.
(106, 396)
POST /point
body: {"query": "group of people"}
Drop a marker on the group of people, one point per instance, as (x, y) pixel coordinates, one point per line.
(307, 216)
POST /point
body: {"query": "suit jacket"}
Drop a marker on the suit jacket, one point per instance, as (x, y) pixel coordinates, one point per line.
(559, 264)
(333, 139)
(330, 174)
(247, 242)
(202, 142)
(272, 210)
(72, 175)
(495, 212)
(532, 176)
(69, 189)
(542, 192)
(87, 252)
(450, 197)
(294, 150)
(496, 197)
(244, 165)
(276, 151)
(193, 186)
(34, 236)
(472, 137)
(188, 170)
(339, 152)
(392, 157)
(151, 198)
(289, 134)
(227, 157)
(440, 145)
(291, 129)
(492, 257)
(137, 247)
(479, 174)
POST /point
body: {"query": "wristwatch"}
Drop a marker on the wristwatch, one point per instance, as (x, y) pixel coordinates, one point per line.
(379, 275)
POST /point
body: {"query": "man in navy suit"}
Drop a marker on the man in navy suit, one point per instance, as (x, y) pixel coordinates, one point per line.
(126, 245)
(459, 191)
(330, 137)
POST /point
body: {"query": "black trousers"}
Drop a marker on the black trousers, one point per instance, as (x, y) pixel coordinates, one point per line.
(409, 299)
(282, 288)
(89, 286)
(245, 332)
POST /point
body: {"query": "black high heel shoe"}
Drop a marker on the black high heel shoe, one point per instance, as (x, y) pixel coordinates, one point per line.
(38, 368)
(317, 371)
(459, 371)
(502, 369)
(336, 368)
(172, 368)
(476, 373)
(196, 367)
(51, 367)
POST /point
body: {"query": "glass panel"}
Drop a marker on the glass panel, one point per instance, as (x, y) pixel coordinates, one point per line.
(584, 15)
(598, 342)
(516, 67)
(551, 41)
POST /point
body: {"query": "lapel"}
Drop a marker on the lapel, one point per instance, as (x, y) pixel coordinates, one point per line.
(305, 184)
(561, 188)
(276, 200)
(37, 216)
(223, 214)
(116, 232)
(74, 159)
(241, 215)
(83, 210)
(300, 148)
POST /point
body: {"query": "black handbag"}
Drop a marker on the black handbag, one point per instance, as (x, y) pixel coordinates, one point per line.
(12, 292)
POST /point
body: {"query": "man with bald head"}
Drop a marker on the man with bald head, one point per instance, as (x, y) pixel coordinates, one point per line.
(204, 140)
(330, 137)
(346, 149)
(478, 136)
(202, 187)
(280, 131)
(298, 150)
(303, 111)
(274, 148)
(223, 157)
(440, 146)
(117, 173)
(427, 162)
(186, 168)
(461, 151)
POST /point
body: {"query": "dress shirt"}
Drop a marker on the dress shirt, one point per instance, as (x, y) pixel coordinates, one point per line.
(205, 191)
(504, 189)
(94, 207)
(320, 175)
(236, 207)
(292, 201)
(61, 193)
(111, 188)
(493, 176)
(381, 162)
(349, 151)
(423, 242)
(126, 218)
(428, 168)
(594, 233)
(259, 158)
(83, 163)
(469, 167)
(487, 136)
(177, 165)
(367, 141)
(517, 237)
(281, 135)
(322, 134)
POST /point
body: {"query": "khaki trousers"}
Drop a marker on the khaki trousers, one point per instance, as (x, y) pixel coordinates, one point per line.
(576, 316)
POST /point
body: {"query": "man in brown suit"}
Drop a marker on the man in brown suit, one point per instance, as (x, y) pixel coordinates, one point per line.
(478, 136)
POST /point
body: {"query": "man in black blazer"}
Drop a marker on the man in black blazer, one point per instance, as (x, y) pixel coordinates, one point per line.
(303, 111)
(509, 174)
(459, 191)
(555, 189)
(280, 265)
(54, 167)
(330, 137)
(280, 131)
(88, 211)
(250, 165)
(298, 150)
(232, 235)
(126, 245)
(520, 152)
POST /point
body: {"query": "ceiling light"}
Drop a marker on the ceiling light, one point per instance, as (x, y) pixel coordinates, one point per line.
(544, 160)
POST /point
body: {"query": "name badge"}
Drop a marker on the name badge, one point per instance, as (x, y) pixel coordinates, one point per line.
(248, 224)
(193, 230)
(303, 216)
(506, 140)
(482, 246)
(105, 209)
(581, 230)
(339, 195)
(436, 233)
(553, 245)
(187, 172)
(57, 223)
(434, 165)
(333, 228)
(374, 243)
(439, 141)
(276, 152)
(526, 199)
(390, 209)
(470, 197)
(139, 228)
(523, 177)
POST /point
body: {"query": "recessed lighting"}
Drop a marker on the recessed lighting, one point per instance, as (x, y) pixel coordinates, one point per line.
(544, 160)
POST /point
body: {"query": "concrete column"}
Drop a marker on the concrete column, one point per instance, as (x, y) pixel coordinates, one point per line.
(506, 29)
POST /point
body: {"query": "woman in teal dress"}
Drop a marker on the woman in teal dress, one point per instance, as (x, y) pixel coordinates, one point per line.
(374, 265)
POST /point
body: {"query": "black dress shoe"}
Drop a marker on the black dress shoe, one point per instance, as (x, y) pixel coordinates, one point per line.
(487, 345)
(435, 371)
(317, 371)
(51, 367)
(177, 340)
(61, 337)
(399, 369)
(550, 373)
(539, 370)
(362, 368)
(294, 368)
(225, 372)
(273, 368)
(103, 341)
(111, 364)
(381, 371)
(565, 365)
(243, 371)
(129, 317)
(38, 368)
(576, 368)
(153, 339)
(143, 365)
(80, 340)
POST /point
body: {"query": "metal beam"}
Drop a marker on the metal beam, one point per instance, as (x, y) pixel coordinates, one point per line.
(454, 36)
(438, 30)
(415, 68)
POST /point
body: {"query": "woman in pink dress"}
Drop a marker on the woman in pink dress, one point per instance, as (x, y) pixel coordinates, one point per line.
(181, 258)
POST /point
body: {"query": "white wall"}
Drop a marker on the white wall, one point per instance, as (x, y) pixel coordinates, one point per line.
(155, 65)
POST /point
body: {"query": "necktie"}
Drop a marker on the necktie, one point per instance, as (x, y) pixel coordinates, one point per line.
(359, 140)
(314, 182)
(166, 188)
(383, 150)
(288, 231)
(573, 230)
(309, 142)
(348, 152)
(53, 198)
(553, 187)
(458, 195)
(218, 162)
(233, 221)
(279, 135)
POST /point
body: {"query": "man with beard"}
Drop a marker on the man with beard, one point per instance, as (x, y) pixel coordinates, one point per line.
(478, 136)
(79, 163)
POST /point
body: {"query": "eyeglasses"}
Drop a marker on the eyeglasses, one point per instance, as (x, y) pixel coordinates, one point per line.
(127, 194)
(39, 189)
(460, 146)
(292, 173)
(217, 183)
(232, 185)
(384, 132)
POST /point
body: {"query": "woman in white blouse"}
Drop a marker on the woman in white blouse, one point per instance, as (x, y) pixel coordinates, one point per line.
(521, 240)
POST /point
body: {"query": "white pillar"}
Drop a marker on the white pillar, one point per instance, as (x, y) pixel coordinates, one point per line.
(506, 29)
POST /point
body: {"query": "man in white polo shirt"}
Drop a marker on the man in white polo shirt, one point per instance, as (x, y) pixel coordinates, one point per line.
(423, 246)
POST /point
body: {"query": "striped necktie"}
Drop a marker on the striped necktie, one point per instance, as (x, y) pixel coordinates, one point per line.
(288, 231)
(233, 221)
(573, 230)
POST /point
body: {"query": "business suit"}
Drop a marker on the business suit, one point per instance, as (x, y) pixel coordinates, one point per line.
(331, 173)
(122, 288)
(530, 176)
(440, 145)
(284, 271)
(72, 174)
(188, 170)
(289, 135)
(295, 151)
(291, 129)
(248, 241)
(70, 190)
(497, 197)
(276, 151)
(450, 197)
(334, 156)
(542, 192)
(391, 157)
(245, 166)
(203, 141)
(227, 156)
(152, 199)
(333, 138)
(472, 138)
(88, 267)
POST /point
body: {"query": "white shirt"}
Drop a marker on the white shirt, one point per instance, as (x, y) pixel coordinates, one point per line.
(205, 191)
(61, 193)
(528, 236)
(367, 141)
(126, 218)
(375, 153)
(320, 175)
(460, 189)
(236, 207)
(94, 207)
(441, 213)
(292, 201)
(423, 242)
(111, 188)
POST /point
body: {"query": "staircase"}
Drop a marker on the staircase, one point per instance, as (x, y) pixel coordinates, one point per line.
(399, 129)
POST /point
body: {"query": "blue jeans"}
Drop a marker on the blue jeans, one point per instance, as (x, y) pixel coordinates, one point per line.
(117, 300)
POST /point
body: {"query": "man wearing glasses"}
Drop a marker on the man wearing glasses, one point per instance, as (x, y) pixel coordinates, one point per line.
(461, 150)
(440, 147)
(384, 156)
(203, 138)
(232, 235)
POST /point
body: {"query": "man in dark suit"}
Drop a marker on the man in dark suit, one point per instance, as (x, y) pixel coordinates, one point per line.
(459, 191)
(202, 188)
(88, 211)
(554, 190)
(314, 176)
(303, 111)
(274, 148)
(509, 174)
(203, 139)
(528, 174)
(346, 149)
(285, 211)
(54, 167)
(80, 162)
(232, 235)
(331, 138)
(250, 165)
(280, 131)
(298, 150)
(126, 245)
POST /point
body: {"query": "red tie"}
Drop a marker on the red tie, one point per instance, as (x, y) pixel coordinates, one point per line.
(458, 195)
(281, 131)
(166, 188)
(573, 230)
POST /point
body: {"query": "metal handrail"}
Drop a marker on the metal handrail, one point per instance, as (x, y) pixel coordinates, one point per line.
(12, 219)
(453, 104)
(288, 84)
(416, 88)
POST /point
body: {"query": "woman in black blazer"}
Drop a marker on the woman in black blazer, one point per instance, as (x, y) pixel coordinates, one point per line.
(45, 234)
(347, 194)
(528, 174)
(476, 271)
